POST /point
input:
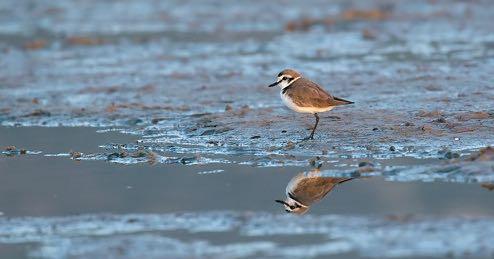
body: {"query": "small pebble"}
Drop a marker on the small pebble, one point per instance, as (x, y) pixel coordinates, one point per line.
(392, 148)
(156, 120)
(213, 142)
(132, 220)
(289, 145)
(283, 131)
(255, 137)
(374, 129)
(116, 155)
(312, 162)
(244, 110)
(75, 154)
(451, 155)
(188, 160)
(426, 128)
(152, 157)
(368, 34)
(139, 153)
(441, 120)
(315, 162)
(365, 163)
(10, 148)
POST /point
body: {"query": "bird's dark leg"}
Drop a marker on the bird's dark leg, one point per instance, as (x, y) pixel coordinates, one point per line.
(315, 126)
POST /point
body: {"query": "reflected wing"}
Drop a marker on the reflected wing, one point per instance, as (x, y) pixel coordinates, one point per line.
(308, 189)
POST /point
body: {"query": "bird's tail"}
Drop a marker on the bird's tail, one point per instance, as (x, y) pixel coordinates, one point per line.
(341, 101)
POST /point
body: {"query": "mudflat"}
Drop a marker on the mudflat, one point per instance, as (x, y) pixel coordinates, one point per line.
(146, 129)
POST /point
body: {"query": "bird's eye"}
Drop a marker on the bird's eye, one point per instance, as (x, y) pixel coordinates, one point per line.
(284, 78)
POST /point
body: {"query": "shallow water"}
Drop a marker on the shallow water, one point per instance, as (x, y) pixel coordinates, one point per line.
(57, 206)
(145, 129)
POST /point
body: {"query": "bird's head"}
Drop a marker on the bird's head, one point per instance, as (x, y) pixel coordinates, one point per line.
(286, 78)
(293, 206)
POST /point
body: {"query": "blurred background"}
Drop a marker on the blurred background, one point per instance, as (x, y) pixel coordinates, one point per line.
(138, 58)
(145, 128)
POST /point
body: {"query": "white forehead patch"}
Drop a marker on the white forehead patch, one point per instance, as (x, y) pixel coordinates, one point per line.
(286, 76)
(285, 83)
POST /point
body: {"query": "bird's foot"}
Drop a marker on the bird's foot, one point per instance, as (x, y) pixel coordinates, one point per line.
(308, 138)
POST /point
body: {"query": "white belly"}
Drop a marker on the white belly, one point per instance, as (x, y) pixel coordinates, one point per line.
(288, 102)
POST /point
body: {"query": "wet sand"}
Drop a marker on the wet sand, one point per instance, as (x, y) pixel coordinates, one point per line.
(126, 126)
(420, 83)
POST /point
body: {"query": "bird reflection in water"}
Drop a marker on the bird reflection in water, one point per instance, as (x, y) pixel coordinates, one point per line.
(307, 188)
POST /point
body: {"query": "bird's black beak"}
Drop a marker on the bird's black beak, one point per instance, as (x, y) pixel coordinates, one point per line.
(282, 202)
(274, 84)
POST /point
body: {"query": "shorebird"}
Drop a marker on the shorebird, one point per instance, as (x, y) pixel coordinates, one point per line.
(302, 95)
(307, 188)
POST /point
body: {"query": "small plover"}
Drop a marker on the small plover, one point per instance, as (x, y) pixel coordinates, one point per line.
(302, 95)
(307, 188)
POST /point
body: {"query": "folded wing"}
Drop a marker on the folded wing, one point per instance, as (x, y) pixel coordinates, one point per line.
(306, 93)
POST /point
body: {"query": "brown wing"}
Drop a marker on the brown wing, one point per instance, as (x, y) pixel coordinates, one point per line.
(308, 189)
(306, 93)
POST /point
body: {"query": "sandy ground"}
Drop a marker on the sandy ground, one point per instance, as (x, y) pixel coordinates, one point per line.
(181, 87)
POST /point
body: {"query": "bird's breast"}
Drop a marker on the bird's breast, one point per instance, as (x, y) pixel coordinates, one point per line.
(289, 103)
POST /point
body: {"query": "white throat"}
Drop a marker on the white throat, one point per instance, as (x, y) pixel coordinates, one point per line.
(284, 84)
(292, 202)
